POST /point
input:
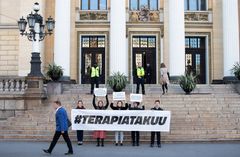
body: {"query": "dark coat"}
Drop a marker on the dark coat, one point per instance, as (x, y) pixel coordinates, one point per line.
(96, 107)
(119, 108)
(159, 109)
(136, 108)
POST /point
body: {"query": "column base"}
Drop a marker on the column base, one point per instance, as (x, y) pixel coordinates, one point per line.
(230, 79)
(174, 79)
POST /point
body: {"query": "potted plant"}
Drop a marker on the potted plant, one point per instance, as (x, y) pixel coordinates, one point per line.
(54, 71)
(187, 83)
(236, 70)
(117, 81)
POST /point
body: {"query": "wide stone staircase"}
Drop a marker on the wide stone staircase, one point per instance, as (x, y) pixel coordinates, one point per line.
(211, 113)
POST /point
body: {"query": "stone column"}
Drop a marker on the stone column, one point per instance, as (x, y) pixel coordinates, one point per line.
(118, 53)
(230, 35)
(62, 35)
(175, 36)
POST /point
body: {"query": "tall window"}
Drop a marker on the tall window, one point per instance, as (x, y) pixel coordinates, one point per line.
(195, 5)
(137, 4)
(93, 4)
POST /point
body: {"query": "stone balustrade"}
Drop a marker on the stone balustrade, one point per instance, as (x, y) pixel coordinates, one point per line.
(13, 84)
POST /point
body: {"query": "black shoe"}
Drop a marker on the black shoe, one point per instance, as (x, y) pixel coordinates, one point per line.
(69, 153)
(102, 145)
(121, 144)
(151, 145)
(97, 145)
(143, 93)
(46, 151)
(159, 146)
(116, 144)
(163, 93)
(133, 144)
(137, 144)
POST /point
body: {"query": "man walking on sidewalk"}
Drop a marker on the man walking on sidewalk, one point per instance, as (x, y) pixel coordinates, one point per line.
(61, 128)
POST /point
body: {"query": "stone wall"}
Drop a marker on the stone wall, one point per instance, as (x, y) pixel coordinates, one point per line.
(9, 48)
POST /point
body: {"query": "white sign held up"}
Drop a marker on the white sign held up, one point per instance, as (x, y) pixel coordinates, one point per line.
(136, 97)
(119, 96)
(100, 91)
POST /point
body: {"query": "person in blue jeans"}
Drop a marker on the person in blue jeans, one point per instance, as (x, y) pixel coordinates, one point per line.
(61, 129)
(80, 106)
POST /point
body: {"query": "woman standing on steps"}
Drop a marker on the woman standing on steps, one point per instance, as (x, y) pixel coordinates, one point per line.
(119, 134)
(80, 106)
(100, 134)
(164, 80)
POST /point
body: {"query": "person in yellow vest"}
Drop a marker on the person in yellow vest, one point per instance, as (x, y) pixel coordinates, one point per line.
(94, 76)
(140, 78)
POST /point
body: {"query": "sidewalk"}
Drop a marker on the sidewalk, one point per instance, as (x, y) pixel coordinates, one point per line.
(34, 149)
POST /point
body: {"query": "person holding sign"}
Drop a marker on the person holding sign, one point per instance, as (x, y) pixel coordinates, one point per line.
(158, 108)
(80, 106)
(119, 134)
(100, 134)
(140, 78)
(135, 134)
(95, 73)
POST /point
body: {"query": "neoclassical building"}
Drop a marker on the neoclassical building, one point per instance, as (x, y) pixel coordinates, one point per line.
(200, 35)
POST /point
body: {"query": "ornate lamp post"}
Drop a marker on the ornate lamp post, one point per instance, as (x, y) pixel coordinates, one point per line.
(36, 34)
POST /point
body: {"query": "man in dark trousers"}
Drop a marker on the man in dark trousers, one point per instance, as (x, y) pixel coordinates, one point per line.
(140, 78)
(158, 108)
(94, 76)
(61, 129)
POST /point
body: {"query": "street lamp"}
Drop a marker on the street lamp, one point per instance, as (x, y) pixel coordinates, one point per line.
(36, 34)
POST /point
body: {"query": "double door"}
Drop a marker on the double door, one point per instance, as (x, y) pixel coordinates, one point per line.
(147, 58)
(89, 57)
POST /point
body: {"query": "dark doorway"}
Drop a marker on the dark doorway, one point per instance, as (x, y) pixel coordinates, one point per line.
(195, 57)
(144, 52)
(93, 51)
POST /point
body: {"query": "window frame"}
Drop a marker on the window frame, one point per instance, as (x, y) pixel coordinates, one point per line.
(139, 7)
(199, 8)
(89, 5)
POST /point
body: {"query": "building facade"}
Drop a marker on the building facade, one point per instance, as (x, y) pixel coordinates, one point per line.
(201, 36)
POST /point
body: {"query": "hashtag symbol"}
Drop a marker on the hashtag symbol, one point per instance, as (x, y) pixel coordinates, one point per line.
(77, 119)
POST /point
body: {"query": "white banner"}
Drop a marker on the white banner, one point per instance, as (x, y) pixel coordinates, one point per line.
(116, 120)
(136, 97)
(100, 91)
(119, 96)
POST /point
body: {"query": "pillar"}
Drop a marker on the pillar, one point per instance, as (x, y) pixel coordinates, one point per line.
(118, 53)
(230, 35)
(175, 32)
(62, 35)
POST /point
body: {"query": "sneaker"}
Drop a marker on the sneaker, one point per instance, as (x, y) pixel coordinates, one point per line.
(159, 146)
(137, 144)
(133, 144)
(116, 144)
(151, 145)
(80, 143)
(121, 144)
(46, 151)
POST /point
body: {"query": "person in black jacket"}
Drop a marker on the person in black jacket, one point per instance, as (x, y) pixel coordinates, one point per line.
(119, 134)
(158, 108)
(135, 134)
(80, 106)
(100, 134)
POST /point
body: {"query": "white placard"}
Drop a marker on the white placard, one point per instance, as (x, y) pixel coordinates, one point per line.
(116, 120)
(136, 97)
(100, 91)
(119, 96)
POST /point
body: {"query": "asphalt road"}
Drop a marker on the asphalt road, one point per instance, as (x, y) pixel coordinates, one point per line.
(34, 149)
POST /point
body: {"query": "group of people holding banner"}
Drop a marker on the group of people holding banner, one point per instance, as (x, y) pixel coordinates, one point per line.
(119, 97)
